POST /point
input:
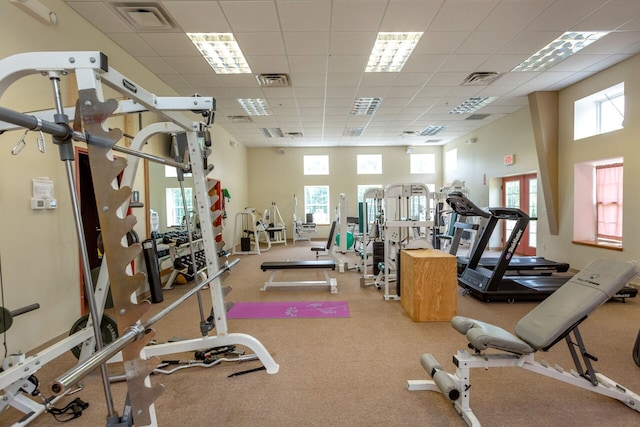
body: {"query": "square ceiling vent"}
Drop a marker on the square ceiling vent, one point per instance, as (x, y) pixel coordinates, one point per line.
(273, 80)
(144, 16)
(480, 78)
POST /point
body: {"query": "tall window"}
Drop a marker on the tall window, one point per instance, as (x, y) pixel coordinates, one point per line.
(609, 201)
(451, 160)
(316, 165)
(598, 205)
(369, 164)
(175, 209)
(599, 113)
(422, 163)
(316, 201)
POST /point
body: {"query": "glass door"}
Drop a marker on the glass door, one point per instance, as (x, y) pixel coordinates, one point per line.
(522, 192)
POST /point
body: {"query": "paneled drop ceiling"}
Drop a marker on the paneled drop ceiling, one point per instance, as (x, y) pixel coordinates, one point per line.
(311, 57)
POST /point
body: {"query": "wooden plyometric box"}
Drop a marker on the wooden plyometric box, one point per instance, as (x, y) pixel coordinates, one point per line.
(429, 283)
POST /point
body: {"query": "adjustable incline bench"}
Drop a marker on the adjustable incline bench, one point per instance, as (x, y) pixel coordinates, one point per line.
(555, 318)
(325, 266)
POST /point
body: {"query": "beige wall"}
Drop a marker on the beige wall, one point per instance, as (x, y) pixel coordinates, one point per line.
(39, 250)
(275, 177)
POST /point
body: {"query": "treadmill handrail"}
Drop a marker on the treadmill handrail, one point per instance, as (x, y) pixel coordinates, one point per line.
(508, 213)
(463, 206)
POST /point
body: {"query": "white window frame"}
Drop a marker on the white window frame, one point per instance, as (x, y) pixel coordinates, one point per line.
(321, 211)
(422, 163)
(369, 164)
(176, 212)
(316, 164)
(590, 118)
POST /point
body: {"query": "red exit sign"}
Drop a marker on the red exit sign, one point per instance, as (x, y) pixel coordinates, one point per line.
(509, 159)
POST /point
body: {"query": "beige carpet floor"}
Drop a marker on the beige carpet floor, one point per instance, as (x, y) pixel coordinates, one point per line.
(353, 371)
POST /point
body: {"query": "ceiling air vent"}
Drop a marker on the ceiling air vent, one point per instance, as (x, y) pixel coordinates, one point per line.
(409, 133)
(477, 116)
(144, 16)
(432, 141)
(239, 119)
(480, 78)
(294, 134)
(273, 80)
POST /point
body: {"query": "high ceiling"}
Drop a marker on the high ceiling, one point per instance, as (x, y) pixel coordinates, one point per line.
(324, 45)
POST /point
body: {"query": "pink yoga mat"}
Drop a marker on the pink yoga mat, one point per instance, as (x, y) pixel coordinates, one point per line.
(285, 310)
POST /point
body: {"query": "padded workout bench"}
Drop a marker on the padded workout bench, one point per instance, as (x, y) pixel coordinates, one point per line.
(554, 319)
(276, 266)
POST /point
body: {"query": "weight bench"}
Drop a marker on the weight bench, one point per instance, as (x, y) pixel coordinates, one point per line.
(276, 266)
(554, 319)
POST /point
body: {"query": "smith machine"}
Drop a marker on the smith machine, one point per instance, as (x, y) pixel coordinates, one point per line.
(92, 70)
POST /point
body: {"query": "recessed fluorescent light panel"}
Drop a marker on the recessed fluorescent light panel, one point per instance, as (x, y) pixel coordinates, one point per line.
(365, 106)
(221, 52)
(559, 50)
(391, 51)
(432, 130)
(255, 107)
(353, 131)
(473, 104)
(272, 132)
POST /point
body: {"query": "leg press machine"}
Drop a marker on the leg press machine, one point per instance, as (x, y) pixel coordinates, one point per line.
(554, 319)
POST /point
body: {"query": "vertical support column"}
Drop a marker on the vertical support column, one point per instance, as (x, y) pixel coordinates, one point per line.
(206, 226)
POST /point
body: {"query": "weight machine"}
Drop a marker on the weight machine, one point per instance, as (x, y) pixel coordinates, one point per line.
(408, 205)
(302, 230)
(91, 70)
(373, 218)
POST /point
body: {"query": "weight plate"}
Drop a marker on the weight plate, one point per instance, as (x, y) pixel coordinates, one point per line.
(108, 328)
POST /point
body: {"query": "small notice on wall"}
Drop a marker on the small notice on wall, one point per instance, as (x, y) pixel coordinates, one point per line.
(509, 159)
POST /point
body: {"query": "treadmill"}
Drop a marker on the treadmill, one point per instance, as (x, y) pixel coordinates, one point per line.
(492, 284)
(519, 265)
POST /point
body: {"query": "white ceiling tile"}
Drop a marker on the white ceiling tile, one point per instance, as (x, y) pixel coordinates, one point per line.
(357, 15)
(239, 81)
(283, 95)
(378, 79)
(302, 43)
(174, 44)
(174, 79)
(156, 64)
(513, 15)
(198, 16)
(203, 79)
(424, 63)
(189, 64)
(613, 43)
(304, 80)
(561, 16)
(402, 91)
(484, 42)
(304, 15)
(307, 63)
(251, 16)
(528, 42)
(440, 42)
(610, 16)
(462, 15)
(412, 79)
(133, 44)
(578, 62)
(343, 79)
(447, 79)
(348, 63)
(503, 63)
(268, 64)
(409, 15)
(351, 42)
(463, 63)
(308, 92)
(260, 43)
(101, 16)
